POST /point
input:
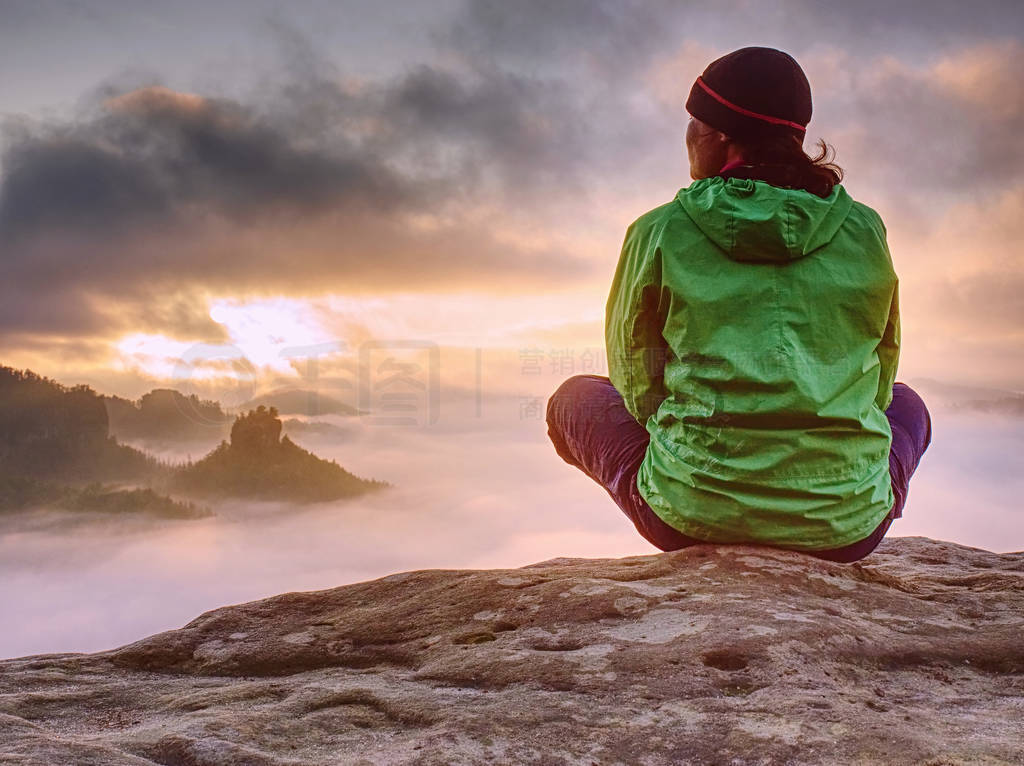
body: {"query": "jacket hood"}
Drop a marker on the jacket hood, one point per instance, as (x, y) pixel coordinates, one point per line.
(756, 222)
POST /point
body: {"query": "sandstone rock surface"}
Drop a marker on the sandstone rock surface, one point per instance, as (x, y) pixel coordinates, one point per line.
(708, 655)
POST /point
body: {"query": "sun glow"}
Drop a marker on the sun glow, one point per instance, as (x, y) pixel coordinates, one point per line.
(265, 335)
(268, 338)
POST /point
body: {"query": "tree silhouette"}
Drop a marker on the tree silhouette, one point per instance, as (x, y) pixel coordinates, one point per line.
(257, 431)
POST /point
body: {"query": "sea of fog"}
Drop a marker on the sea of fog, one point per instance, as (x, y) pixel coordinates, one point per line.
(471, 491)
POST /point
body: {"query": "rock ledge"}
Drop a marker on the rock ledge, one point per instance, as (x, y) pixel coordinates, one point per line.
(708, 655)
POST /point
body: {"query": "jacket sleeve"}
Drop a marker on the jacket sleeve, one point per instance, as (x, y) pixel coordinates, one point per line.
(889, 351)
(634, 320)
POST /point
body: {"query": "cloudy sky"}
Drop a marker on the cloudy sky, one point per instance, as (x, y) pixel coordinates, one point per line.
(202, 180)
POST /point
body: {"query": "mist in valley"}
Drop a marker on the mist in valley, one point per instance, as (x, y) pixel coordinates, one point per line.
(475, 489)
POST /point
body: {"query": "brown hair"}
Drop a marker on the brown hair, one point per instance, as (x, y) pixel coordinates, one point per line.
(784, 159)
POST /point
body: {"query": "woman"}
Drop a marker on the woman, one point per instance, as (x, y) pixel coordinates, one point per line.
(753, 335)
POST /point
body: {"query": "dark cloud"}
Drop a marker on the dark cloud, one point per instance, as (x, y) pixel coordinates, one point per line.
(313, 186)
(72, 182)
(154, 155)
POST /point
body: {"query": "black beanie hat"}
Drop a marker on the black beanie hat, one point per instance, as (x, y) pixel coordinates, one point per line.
(753, 93)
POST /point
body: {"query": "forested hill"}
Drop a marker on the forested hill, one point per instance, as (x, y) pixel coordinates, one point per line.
(259, 463)
(164, 413)
(54, 439)
(49, 430)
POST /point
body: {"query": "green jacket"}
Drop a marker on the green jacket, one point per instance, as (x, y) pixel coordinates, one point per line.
(754, 331)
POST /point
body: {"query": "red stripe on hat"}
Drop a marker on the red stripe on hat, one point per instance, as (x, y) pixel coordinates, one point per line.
(747, 112)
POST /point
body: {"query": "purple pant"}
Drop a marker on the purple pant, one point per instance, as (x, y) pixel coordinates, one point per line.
(592, 430)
